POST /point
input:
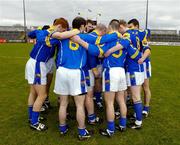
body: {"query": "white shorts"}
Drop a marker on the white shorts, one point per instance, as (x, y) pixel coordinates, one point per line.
(36, 72)
(70, 82)
(114, 79)
(147, 69)
(50, 66)
(89, 79)
(135, 78)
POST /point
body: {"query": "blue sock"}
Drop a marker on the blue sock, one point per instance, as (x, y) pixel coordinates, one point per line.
(35, 116)
(63, 128)
(92, 117)
(30, 108)
(122, 122)
(111, 126)
(98, 97)
(82, 132)
(146, 108)
(138, 110)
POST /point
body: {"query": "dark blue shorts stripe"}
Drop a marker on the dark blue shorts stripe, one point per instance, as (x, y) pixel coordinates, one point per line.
(132, 79)
(107, 80)
(37, 78)
(83, 82)
(147, 70)
(87, 77)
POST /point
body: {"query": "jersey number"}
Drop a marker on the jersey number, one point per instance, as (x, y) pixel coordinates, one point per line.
(73, 46)
(117, 55)
(138, 43)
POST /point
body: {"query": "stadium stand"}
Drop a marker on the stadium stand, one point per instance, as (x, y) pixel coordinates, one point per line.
(12, 33)
(165, 36)
(16, 34)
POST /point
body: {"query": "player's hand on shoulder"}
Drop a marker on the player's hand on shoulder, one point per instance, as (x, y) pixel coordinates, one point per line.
(75, 39)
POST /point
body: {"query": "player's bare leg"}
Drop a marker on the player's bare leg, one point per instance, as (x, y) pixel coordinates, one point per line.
(63, 104)
(41, 96)
(31, 99)
(46, 104)
(109, 98)
(32, 96)
(49, 81)
(80, 110)
(147, 97)
(136, 96)
(89, 103)
(80, 117)
(123, 110)
(98, 93)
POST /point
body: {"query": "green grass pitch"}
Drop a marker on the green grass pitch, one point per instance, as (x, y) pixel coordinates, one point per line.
(161, 128)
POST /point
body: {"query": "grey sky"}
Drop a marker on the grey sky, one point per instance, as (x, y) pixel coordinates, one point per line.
(163, 14)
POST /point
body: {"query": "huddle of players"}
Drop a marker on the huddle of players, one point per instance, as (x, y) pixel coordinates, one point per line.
(122, 52)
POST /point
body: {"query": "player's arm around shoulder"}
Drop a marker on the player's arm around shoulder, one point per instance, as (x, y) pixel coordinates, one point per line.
(65, 35)
(108, 38)
(94, 50)
(122, 43)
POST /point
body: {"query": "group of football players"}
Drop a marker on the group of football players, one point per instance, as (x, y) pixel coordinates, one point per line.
(94, 64)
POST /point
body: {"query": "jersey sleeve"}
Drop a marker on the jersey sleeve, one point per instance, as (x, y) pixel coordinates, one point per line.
(134, 53)
(142, 34)
(145, 44)
(127, 36)
(107, 38)
(88, 38)
(95, 50)
(32, 34)
(125, 43)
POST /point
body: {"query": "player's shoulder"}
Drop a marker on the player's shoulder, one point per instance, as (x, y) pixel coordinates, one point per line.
(82, 35)
(127, 34)
(94, 33)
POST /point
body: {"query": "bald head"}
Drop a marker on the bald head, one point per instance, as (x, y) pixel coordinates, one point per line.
(101, 28)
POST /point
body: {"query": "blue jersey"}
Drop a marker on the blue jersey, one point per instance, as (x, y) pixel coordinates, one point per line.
(93, 38)
(116, 59)
(131, 64)
(44, 48)
(71, 55)
(98, 61)
(144, 35)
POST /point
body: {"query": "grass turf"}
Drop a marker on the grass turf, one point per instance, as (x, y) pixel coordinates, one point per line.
(161, 128)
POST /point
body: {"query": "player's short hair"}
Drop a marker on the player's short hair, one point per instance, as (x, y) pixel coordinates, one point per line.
(45, 27)
(114, 23)
(122, 22)
(90, 21)
(101, 27)
(54, 21)
(63, 22)
(135, 22)
(77, 22)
